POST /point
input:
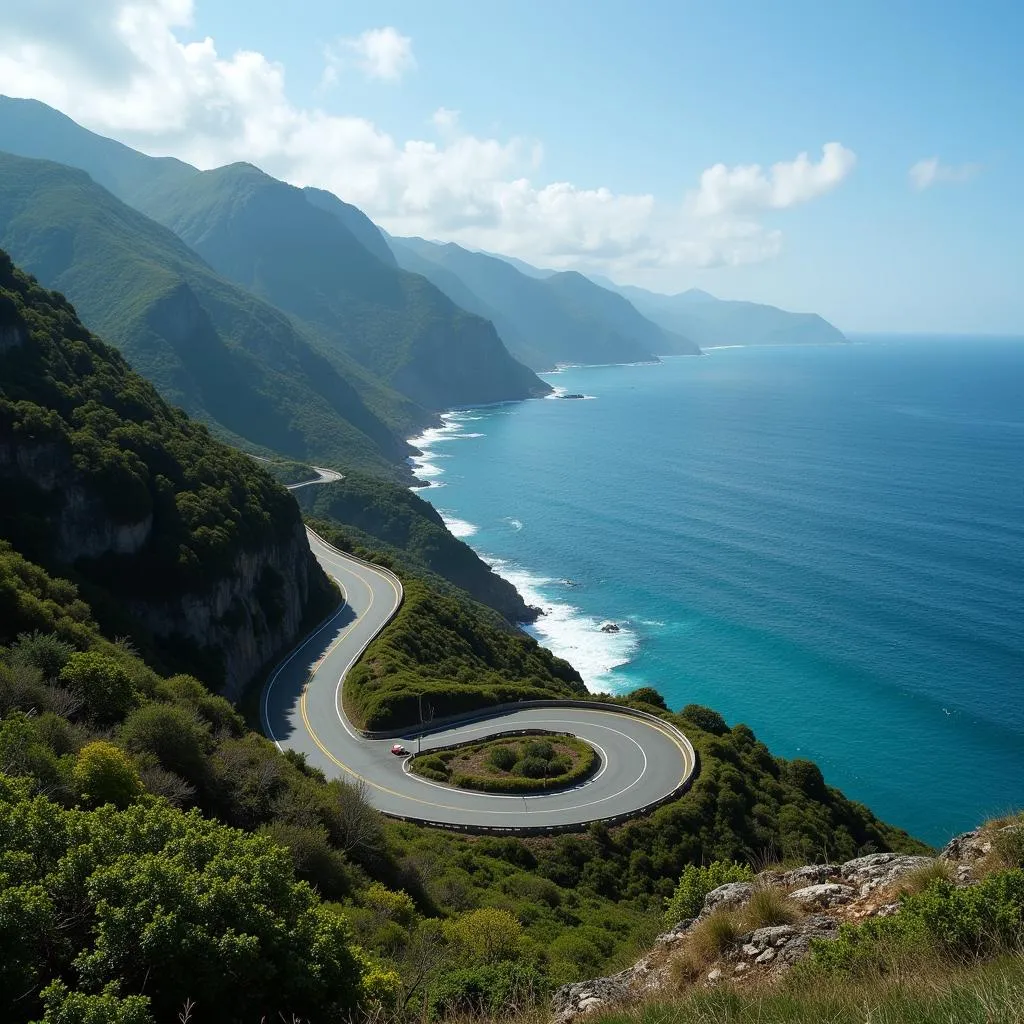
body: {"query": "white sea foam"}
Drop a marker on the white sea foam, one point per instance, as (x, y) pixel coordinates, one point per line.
(570, 633)
(516, 524)
(457, 527)
(425, 464)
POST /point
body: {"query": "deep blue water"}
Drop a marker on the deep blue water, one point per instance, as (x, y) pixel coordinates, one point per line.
(825, 543)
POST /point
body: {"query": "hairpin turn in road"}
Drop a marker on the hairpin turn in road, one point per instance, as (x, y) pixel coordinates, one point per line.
(643, 759)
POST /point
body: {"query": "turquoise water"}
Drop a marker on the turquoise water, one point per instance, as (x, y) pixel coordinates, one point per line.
(825, 543)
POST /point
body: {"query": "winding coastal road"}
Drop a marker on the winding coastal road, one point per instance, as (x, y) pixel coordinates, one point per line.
(643, 760)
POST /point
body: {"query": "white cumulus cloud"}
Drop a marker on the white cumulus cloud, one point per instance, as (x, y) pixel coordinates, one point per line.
(931, 171)
(134, 70)
(378, 52)
(749, 187)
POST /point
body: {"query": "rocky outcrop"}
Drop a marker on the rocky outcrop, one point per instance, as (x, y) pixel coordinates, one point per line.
(828, 895)
(250, 616)
(881, 869)
(732, 894)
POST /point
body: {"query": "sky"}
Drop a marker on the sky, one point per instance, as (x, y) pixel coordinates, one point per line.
(860, 159)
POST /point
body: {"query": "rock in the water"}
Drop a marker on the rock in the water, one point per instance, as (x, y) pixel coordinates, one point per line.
(609, 627)
(732, 894)
(827, 894)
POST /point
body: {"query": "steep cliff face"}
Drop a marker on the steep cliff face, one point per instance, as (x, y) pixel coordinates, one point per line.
(242, 620)
(172, 531)
(250, 615)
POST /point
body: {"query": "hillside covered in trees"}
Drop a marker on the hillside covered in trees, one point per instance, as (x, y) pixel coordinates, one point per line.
(183, 542)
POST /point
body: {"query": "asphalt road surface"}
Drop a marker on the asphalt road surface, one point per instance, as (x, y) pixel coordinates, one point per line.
(642, 760)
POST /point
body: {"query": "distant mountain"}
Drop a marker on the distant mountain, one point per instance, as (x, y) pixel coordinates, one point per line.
(367, 233)
(304, 253)
(711, 322)
(545, 321)
(207, 344)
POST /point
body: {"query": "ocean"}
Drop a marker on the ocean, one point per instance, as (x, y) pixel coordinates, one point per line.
(826, 543)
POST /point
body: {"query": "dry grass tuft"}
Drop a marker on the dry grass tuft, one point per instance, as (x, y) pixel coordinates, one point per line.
(920, 878)
(768, 907)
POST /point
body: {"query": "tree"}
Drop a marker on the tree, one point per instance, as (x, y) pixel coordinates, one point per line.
(487, 935)
(99, 895)
(66, 1007)
(104, 774)
(649, 695)
(706, 719)
(101, 682)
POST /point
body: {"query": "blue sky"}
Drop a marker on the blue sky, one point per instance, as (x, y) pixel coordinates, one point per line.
(586, 132)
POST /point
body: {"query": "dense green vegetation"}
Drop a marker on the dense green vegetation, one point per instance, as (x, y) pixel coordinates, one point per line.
(208, 345)
(544, 319)
(449, 655)
(696, 881)
(285, 472)
(99, 896)
(101, 475)
(72, 405)
(391, 525)
(543, 761)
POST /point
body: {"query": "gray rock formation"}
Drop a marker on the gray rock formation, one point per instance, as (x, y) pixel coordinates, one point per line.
(732, 894)
(880, 869)
(825, 894)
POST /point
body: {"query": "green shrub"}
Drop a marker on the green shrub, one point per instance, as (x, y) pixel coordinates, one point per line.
(44, 651)
(502, 757)
(101, 682)
(532, 768)
(696, 882)
(104, 774)
(648, 695)
(944, 921)
(540, 749)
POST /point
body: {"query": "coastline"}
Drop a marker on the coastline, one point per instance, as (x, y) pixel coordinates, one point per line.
(563, 628)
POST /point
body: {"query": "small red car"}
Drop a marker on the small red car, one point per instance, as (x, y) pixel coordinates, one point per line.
(399, 749)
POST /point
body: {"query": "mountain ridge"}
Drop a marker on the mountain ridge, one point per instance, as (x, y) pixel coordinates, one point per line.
(208, 345)
(297, 250)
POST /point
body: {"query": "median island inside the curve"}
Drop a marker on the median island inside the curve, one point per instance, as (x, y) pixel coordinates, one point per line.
(539, 761)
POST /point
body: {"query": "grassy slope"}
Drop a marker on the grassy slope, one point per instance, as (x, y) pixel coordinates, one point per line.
(455, 655)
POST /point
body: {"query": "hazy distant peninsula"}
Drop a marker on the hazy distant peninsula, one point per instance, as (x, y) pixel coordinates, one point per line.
(712, 322)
